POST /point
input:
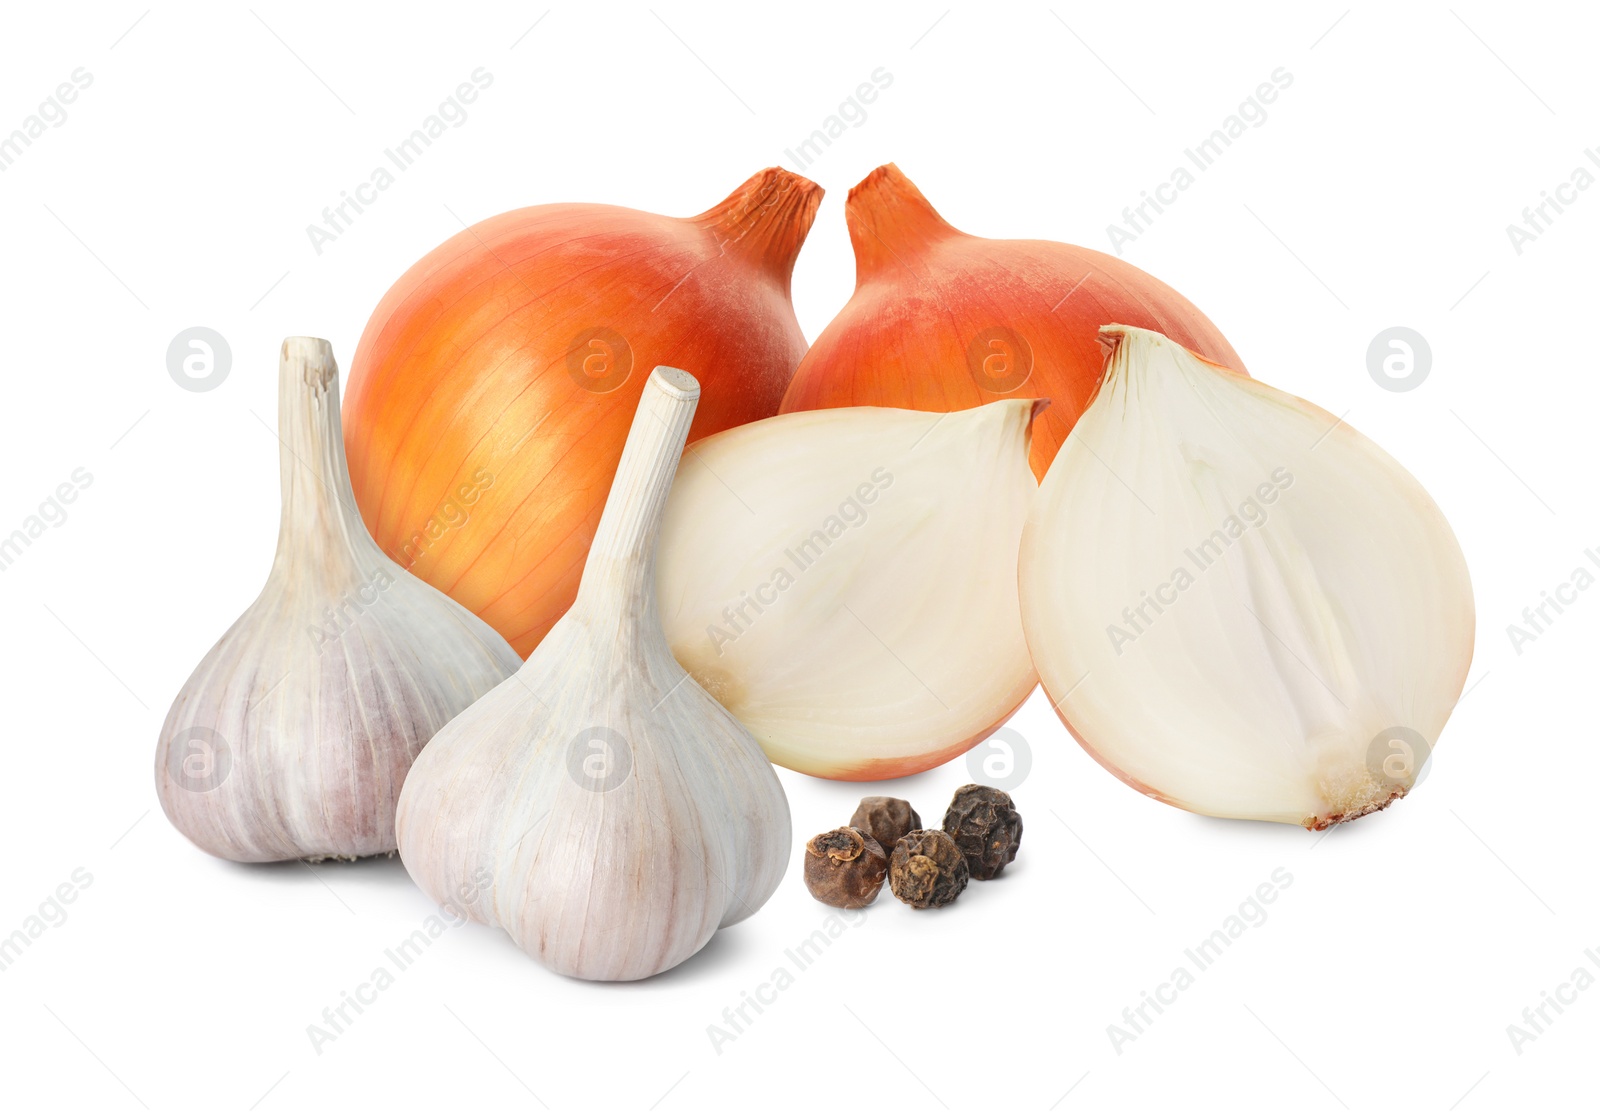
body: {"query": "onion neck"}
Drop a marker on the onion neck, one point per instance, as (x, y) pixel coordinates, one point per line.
(765, 220)
(619, 576)
(891, 223)
(320, 523)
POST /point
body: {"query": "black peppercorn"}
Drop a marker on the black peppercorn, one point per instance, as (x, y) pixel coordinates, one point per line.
(986, 827)
(844, 868)
(927, 870)
(885, 819)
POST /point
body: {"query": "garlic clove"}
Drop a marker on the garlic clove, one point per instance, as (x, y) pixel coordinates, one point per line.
(1239, 604)
(292, 737)
(599, 806)
(844, 581)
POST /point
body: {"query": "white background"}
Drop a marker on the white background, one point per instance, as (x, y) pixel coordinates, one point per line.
(1377, 193)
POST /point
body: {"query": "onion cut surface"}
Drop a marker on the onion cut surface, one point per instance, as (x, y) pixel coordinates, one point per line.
(1239, 604)
(844, 582)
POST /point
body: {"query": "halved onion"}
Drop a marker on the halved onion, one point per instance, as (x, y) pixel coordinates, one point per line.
(1239, 604)
(844, 582)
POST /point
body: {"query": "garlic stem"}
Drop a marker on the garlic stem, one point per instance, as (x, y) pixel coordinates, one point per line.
(620, 573)
(318, 517)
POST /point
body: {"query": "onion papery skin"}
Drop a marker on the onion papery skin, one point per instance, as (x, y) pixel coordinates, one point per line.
(494, 385)
(1238, 604)
(941, 320)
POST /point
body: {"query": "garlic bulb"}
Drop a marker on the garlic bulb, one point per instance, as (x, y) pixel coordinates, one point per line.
(844, 581)
(599, 806)
(293, 735)
(1240, 605)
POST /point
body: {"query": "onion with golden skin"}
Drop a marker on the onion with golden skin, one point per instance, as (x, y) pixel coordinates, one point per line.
(942, 320)
(494, 385)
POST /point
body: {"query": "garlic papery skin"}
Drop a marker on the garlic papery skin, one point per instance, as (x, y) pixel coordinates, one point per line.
(293, 735)
(844, 580)
(599, 806)
(1239, 604)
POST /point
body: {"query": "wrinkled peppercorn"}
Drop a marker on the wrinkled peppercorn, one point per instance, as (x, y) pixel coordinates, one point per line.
(885, 819)
(845, 868)
(986, 827)
(927, 870)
